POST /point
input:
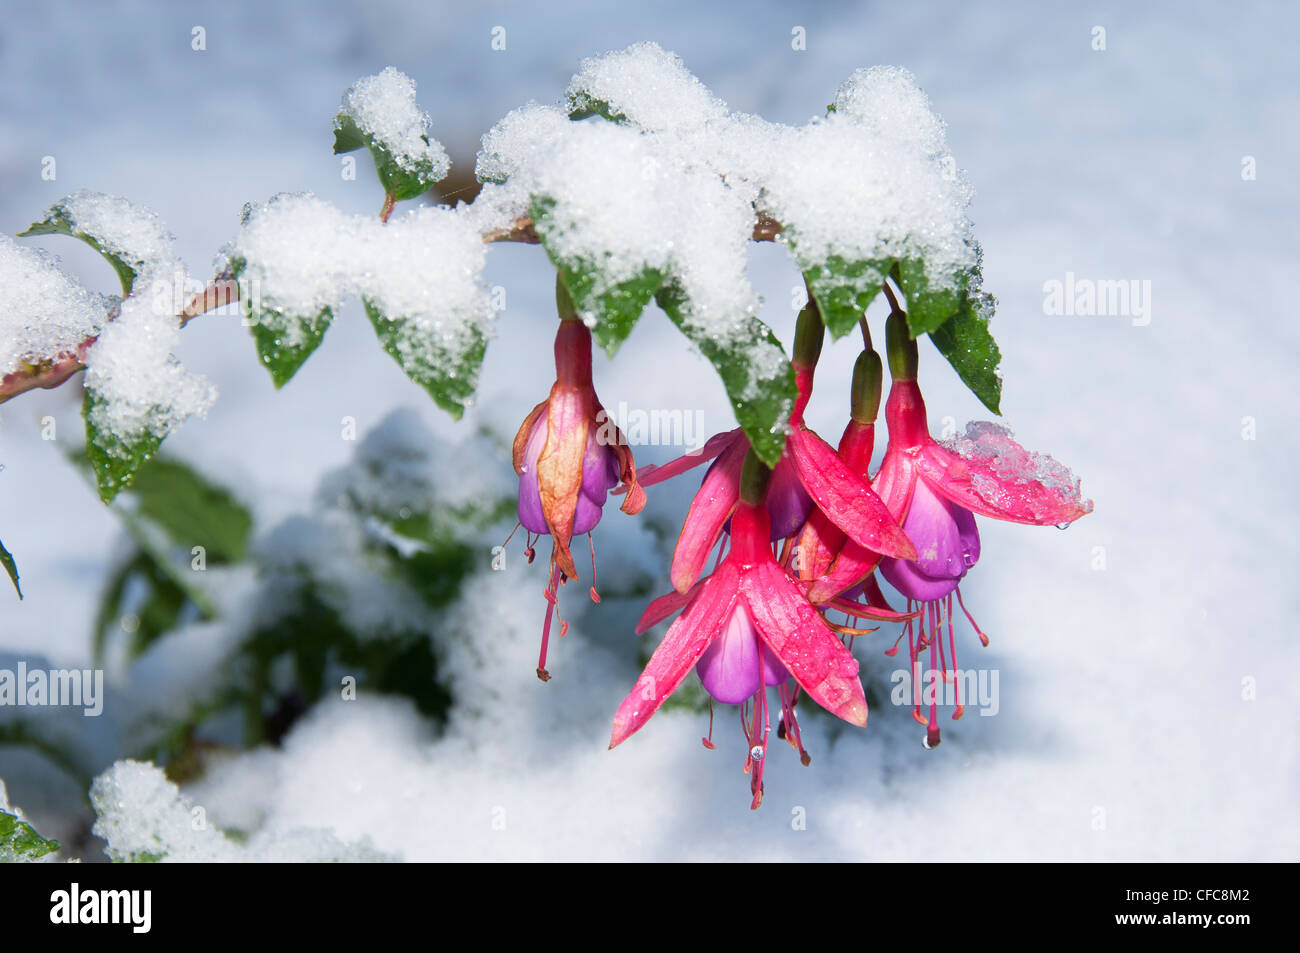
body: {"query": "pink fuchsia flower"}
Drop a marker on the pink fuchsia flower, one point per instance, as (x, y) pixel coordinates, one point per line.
(809, 466)
(568, 455)
(744, 628)
(937, 489)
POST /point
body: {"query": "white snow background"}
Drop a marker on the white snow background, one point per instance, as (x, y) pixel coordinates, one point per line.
(1121, 689)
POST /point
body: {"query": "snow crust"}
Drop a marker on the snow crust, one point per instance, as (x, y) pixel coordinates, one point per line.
(383, 106)
(44, 312)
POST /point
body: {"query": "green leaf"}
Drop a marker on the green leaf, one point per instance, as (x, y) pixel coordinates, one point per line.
(7, 560)
(928, 306)
(20, 842)
(143, 588)
(58, 222)
(761, 399)
(398, 182)
(176, 509)
(615, 307)
(583, 105)
(964, 339)
(450, 375)
(192, 510)
(284, 341)
(113, 459)
(844, 290)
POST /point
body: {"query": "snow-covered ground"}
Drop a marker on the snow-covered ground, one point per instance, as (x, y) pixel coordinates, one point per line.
(1144, 708)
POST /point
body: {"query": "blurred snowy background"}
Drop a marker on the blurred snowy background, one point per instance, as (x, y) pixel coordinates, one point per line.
(1145, 707)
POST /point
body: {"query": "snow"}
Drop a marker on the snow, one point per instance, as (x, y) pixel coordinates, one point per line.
(44, 312)
(127, 231)
(303, 255)
(647, 85)
(992, 444)
(673, 185)
(874, 181)
(402, 468)
(519, 139)
(1122, 686)
(426, 267)
(143, 815)
(299, 254)
(141, 388)
(383, 106)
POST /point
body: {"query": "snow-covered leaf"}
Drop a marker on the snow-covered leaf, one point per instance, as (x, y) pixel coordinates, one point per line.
(113, 459)
(609, 307)
(380, 113)
(645, 86)
(448, 372)
(46, 315)
(284, 341)
(929, 305)
(20, 842)
(754, 369)
(583, 106)
(131, 238)
(11, 568)
(845, 289)
(136, 393)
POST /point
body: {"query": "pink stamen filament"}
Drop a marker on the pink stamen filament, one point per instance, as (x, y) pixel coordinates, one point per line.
(552, 600)
(708, 741)
(956, 672)
(984, 639)
(932, 732)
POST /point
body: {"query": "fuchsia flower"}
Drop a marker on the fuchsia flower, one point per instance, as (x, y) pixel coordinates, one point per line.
(810, 474)
(746, 627)
(937, 489)
(566, 464)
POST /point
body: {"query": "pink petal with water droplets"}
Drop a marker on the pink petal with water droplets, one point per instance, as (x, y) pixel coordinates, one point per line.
(710, 510)
(664, 606)
(990, 474)
(684, 643)
(845, 498)
(651, 474)
(800, 639)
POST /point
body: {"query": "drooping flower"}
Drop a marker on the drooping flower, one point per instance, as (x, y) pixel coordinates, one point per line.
(809, 467)
(568, 455)
(937, 490)
(745, 627)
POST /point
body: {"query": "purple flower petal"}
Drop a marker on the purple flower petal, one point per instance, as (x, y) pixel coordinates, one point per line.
(947, 545)
(733, 664)
(788, 503)
(530, 496)
(586, 515)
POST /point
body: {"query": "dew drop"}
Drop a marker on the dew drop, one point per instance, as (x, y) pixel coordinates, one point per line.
(756, 752)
